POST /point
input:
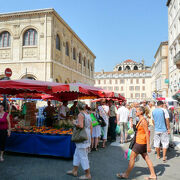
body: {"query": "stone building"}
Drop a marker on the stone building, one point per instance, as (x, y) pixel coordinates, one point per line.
(160, 71)
(40, 45)
(174, 45)
(129, 78)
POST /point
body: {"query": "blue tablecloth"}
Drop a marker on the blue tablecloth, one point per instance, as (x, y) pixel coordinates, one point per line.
(54, 145)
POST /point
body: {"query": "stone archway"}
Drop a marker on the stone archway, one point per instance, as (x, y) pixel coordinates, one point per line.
(2, 77)
(29, 76)
(135, 68)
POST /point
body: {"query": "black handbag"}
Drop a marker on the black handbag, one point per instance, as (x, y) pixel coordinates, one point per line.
(133, 141)
(101, 121)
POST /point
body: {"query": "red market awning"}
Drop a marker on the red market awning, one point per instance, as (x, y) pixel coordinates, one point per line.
(14, 87)
(98, 100)
(35, 96)
(62, 92)
(98, 92)
(160, 99)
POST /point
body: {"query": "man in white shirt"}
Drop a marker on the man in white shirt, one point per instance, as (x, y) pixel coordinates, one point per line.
(62, 114)
(122, 121)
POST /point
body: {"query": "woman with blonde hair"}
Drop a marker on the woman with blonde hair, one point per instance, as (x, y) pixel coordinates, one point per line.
(81, 152)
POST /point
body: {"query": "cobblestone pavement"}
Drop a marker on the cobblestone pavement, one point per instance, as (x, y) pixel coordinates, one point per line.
(104, 164)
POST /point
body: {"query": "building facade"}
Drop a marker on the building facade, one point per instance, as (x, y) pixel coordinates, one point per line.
(40, 45)
(174, 45)
(160, 71)
(129, 78)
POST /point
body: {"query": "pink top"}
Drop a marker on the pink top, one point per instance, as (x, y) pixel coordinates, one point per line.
(4, 122)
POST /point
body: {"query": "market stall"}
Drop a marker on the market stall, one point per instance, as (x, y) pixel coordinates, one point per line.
(27, 137)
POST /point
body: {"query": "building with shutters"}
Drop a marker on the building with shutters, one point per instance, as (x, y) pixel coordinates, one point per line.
(129, 78)
(160, 76)
(174, 45)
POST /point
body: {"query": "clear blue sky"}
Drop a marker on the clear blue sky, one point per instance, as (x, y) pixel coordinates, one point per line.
(115, 30)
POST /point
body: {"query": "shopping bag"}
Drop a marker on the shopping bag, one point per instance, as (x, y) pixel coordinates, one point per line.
(79, 134)
(118, 130)
(94, 120)
(131, 131)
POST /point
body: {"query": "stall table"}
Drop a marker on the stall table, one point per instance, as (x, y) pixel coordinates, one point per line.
(41, 144)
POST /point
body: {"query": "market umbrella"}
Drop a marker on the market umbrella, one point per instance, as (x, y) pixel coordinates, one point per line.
(62, 92)
(98, 100)
(13, 87)
(35, 96)
(58, 91)
(97, 92)
(160, 99)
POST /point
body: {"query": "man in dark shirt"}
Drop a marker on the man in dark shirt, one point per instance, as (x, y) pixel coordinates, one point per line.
(48, 113)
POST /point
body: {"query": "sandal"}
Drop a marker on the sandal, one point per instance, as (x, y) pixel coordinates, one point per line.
(158, 157)
(149, 178)
(120, 176)
(71, 173)
(84, 177)
(164, 160)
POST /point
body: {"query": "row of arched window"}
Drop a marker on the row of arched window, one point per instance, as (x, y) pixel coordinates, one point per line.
(127, 68)
(29, 38)
(74, 53)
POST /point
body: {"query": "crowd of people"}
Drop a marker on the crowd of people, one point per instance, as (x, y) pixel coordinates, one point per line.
(153, 125)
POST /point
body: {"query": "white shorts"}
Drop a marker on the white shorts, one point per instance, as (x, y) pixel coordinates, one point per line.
(161, 137)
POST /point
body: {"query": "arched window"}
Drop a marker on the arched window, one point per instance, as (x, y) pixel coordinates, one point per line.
(80, 58)
(84, 61)
(135, 68)
(57, 81)
(28, 77)
(74, 53)
(88, 64)
(5, 39)
(120, 68)
(58, 42)
(127, 68)
(92, 67)
(2, 77)
(67, 49)
(30, 38)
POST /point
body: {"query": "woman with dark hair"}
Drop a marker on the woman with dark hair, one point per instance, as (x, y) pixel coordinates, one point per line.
(141, 146)
(5, 130)
(81, 152)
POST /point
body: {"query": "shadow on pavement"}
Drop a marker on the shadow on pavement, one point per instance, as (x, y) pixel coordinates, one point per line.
(172, 153)
(141, 171)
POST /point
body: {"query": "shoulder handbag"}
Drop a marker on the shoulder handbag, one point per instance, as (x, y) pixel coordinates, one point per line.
(101, 121)
(133, 141)
(79, 134)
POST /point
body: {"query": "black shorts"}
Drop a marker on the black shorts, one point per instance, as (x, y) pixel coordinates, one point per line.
(140, 148)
